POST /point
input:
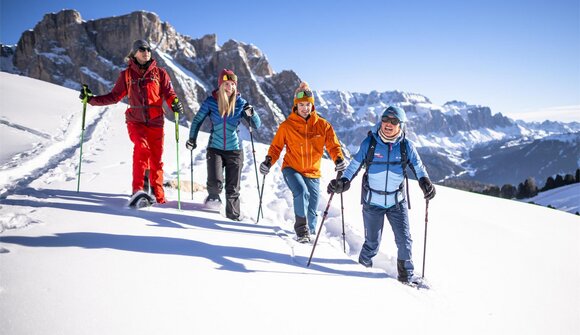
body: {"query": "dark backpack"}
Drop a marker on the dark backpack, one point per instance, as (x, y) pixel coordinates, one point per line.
(404, 163)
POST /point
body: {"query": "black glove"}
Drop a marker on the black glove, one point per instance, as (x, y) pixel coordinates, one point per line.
(427, 188)
(177, 107)
(249, 109)
(338, 185)
(265, 166)
(86, 93)
(340, 165)
(190, 144)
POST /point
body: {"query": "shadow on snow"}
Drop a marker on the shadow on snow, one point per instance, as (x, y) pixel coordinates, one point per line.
(113, 204)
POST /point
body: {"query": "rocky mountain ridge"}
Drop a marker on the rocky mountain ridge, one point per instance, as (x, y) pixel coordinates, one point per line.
(66, 50)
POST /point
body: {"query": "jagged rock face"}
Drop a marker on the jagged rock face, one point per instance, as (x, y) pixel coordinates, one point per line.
(65, 50)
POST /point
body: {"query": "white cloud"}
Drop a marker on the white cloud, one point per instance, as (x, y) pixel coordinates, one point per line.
(556, 113)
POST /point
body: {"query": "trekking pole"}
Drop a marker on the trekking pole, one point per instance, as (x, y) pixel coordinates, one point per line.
(261, 194)
(176, 116)
(82, 135)
(425, 239)
(407, 189)
(322, 222)
(255, 165)
(191, 171)
(342, 216)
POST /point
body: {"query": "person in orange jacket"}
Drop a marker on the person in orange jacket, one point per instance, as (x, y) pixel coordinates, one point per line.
(146, 86)
(304, 134)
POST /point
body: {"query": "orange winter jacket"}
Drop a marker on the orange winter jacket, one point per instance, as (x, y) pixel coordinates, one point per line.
(305, 141)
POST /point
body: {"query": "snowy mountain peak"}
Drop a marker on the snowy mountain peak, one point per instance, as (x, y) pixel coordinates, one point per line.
(56, 51)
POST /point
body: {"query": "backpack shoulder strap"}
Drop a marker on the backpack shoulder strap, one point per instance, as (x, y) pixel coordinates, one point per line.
(371, 151)
(405, 159)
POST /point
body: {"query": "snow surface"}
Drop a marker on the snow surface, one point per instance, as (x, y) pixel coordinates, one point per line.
(565, 198)
(81, 263)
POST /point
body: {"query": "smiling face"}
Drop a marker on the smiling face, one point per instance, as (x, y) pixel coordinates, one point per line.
(303, 109)
(143, 55)
(229, 87)
(390, 129)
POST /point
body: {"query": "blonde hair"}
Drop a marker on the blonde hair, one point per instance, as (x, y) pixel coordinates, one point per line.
(226, 104)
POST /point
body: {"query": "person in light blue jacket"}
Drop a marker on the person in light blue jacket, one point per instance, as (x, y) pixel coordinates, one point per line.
(225, 108)
(385, 153)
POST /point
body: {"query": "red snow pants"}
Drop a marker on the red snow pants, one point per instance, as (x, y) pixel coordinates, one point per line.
(147, 152)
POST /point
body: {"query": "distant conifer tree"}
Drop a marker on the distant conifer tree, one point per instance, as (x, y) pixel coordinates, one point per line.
(531, 189)
(508, 191)
(559, 181)
(550, 184)
(520, 194)
(492, 190)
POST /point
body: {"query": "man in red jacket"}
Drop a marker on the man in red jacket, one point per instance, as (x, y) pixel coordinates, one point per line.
(146, 86)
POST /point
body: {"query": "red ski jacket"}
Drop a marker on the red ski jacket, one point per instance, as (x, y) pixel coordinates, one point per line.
(146, 90)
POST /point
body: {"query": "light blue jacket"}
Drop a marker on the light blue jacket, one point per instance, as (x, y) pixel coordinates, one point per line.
(224, 130)
(388, 176)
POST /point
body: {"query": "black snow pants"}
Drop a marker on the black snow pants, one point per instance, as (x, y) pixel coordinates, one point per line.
(231, 161)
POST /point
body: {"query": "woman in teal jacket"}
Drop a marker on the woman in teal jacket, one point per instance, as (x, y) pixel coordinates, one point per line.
(225, 108)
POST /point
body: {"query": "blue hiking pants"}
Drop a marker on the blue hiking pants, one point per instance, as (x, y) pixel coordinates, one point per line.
(305, 192)
(398, 217)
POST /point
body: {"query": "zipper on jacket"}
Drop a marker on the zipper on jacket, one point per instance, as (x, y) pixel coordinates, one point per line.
(308, 154)
(145, 111)
(388, 167)
(225, 123)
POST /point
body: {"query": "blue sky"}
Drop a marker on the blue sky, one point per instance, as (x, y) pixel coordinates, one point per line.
(518, 57)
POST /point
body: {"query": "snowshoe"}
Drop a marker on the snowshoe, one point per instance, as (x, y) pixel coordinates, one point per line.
(140, 199)
(303, 239)
(213, 204)
(417, 283)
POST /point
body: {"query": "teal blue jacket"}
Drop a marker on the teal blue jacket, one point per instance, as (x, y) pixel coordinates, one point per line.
(224, 130)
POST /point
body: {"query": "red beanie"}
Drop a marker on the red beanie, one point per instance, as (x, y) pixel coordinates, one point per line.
(227, 75)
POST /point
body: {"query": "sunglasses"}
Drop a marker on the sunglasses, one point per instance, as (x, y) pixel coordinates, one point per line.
(303, 94)
(231, 77)
(143, 49)
(392, 120)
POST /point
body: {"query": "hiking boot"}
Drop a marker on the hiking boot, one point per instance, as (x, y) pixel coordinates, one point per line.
(404, 270)
(300, 226)
(235, 218)
(366, 264)
(303, 239)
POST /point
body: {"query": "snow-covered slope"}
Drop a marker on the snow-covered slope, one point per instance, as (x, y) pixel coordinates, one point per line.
(566, 198)
(81, 263)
